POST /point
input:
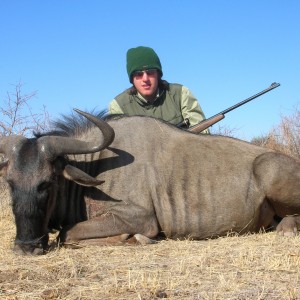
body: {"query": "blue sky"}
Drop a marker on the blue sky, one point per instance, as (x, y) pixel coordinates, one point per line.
(73, 53)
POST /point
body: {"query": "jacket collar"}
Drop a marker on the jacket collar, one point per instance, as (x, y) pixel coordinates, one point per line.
(158, 95)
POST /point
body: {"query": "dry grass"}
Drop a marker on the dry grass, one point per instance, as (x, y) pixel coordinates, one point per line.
(284, 137)
(260, 266)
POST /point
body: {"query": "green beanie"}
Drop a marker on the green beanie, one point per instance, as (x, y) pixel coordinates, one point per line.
(142, 58)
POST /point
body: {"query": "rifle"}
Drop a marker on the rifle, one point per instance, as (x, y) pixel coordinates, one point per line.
(204, 124)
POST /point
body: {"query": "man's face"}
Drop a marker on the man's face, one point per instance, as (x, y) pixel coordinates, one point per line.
(146, 83)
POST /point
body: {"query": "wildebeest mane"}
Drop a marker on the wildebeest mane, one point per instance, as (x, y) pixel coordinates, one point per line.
(72, 124)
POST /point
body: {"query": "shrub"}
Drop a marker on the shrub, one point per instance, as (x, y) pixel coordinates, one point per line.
(17, 116)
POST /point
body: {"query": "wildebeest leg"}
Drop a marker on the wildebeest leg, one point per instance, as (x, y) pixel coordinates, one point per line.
(279, 177)
(110, 229)
(119, 240)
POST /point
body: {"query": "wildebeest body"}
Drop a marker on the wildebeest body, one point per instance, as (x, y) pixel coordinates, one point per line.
(158, 178)
(181, 184)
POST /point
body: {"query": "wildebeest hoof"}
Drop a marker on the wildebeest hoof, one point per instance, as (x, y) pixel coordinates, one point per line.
(143, 240)
(287, 227)
(28, 250)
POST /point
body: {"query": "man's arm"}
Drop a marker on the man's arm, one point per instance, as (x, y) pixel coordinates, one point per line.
(114, 108)
(191, 109)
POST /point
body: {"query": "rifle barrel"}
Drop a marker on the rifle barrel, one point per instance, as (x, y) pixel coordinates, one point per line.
(221, 114)
(271, 87)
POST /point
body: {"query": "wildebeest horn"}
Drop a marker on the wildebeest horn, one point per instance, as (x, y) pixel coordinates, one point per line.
(57, 145)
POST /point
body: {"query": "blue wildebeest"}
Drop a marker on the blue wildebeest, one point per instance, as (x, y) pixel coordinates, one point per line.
(133, 178)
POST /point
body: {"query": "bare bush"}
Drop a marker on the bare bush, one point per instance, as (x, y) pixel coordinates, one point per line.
(17, 116)
(223, 130)
(285, 137)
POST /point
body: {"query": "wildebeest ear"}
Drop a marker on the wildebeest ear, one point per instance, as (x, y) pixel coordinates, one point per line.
(80, 177)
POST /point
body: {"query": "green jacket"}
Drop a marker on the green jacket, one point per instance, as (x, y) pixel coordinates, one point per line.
(173, 105)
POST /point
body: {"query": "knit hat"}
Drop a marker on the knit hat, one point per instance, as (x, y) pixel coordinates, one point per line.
(142, 58)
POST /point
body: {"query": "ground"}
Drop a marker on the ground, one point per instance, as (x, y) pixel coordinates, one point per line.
(258, 266)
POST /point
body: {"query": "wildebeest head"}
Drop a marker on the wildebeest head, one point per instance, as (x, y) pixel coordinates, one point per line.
(31, 168)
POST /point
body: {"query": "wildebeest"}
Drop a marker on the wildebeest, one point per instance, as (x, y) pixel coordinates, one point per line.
(134, 178)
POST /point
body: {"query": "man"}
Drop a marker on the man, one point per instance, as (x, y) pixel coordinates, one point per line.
(152, 96)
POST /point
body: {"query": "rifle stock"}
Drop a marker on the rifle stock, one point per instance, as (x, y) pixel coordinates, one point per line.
(206, 123)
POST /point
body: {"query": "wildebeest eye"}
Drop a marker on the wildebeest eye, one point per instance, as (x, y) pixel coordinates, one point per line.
(43, 186)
